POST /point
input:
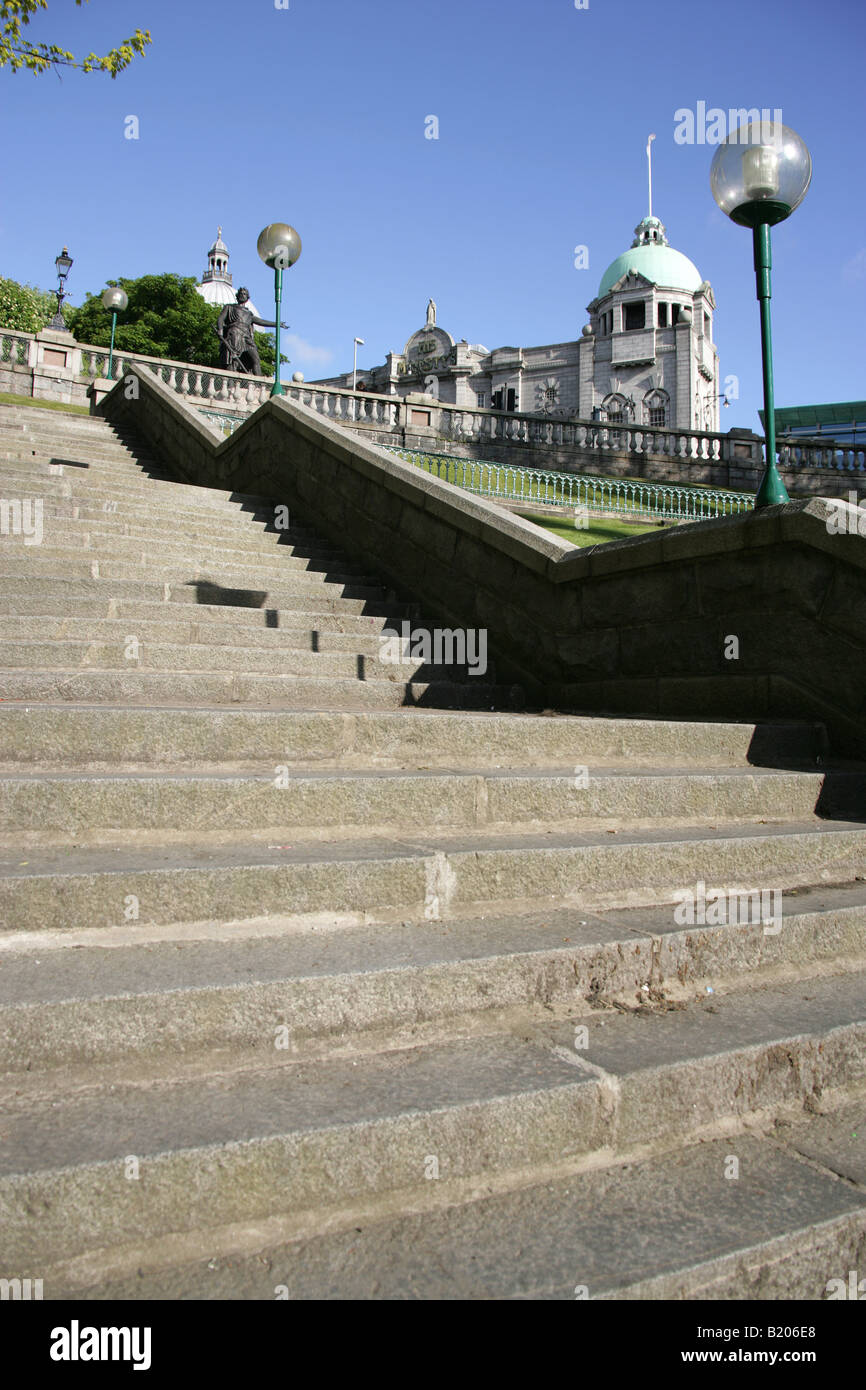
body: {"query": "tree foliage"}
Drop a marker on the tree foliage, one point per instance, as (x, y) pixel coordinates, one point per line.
(166, 317)
(17, 52)
(26, 308)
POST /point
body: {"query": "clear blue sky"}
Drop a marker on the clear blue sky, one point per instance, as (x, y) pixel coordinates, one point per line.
(315, 115)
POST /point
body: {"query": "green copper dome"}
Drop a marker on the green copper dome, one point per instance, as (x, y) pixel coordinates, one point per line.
(651, 256)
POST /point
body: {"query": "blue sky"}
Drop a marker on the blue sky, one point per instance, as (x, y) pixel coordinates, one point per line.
(315, 114)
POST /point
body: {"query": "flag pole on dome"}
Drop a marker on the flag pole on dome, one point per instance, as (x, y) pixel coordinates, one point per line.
(649, 160)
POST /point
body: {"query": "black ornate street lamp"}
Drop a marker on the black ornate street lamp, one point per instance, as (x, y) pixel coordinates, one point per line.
(63, 263)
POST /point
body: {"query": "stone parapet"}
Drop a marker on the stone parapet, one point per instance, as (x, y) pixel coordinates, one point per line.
(642, 626)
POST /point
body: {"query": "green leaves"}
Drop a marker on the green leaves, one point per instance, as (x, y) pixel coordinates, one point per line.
(26, 308)
(16, 52)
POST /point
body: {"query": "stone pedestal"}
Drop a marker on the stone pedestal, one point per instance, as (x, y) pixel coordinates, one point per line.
(97, 391)
(56, 365)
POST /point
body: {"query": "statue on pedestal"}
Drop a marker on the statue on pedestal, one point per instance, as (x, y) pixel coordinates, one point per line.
(431, 313)
(235, 331)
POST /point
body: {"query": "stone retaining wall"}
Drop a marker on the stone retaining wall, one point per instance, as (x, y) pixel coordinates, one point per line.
(639, 626)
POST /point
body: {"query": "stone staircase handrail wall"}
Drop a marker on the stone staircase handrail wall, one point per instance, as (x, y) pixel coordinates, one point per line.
(640, 626)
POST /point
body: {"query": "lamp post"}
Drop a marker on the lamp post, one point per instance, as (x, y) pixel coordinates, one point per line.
(359, 342)
(279, 246)
(759, 175)
(115, 299)
(63, 262)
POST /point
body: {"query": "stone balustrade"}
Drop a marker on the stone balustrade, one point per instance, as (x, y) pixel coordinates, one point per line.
(54, 366)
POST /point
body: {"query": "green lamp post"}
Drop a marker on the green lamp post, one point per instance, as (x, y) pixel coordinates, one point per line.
(115, 299)
(279, 246)
(759, 175)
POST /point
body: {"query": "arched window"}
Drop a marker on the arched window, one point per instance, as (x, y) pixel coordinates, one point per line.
(616, 409)
(656, 405)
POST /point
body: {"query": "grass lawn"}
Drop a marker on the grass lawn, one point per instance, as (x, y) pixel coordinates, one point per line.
(597, 533)
(7, 399)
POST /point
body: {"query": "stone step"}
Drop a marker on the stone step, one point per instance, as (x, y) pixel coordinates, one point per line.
(51, 595)
(324, 1135)
(46, 452)
(240, 688)
(243, 531)
(435, 874)
(201, 621)
(76, 539)
(215, 655)
(47, 808)
(270, 574)
(137, 1008)
(671, 1226)
(207, 738)
(35, 477)
(364, 635)
(62, 498)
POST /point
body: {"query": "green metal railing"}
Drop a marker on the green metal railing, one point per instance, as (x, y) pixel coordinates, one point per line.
(227, 424)
(579, 490)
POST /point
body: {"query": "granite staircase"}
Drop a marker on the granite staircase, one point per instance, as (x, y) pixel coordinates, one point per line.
(324, 977)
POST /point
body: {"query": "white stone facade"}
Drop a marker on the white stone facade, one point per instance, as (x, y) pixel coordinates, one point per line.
(646, 356)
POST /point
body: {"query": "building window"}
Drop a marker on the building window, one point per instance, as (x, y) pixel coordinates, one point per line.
(617, 410)
(706, 325)
(550, 393)
(481, 400)
(656, 404)
(663, 315)
(635, 316)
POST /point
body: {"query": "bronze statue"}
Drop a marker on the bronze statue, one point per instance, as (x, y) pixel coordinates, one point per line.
(235, 332)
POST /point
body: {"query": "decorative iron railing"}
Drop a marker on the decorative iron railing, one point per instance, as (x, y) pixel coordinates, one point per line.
(579, 491)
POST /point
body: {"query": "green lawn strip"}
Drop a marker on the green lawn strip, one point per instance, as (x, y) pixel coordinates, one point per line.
(596, 533)
(7, 399)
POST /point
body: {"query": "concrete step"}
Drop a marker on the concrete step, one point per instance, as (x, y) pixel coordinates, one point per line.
(324, 1135)
(672, 1226)
(108, 1009)
(44, 808)
(207, 738)
(240, 688)
(435, 874)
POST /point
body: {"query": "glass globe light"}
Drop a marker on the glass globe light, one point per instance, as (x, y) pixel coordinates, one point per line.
(279, 245)
(760, 173)
(115, 299)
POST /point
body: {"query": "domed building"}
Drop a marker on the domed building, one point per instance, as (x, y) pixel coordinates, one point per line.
(216, 283)
(647, 354)
(646, 357)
